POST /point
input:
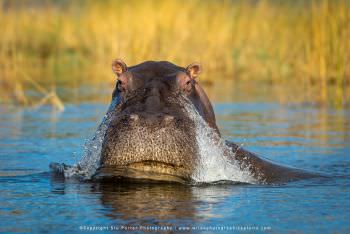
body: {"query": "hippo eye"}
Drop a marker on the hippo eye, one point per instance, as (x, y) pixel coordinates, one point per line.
(119, 85)
(187, 88)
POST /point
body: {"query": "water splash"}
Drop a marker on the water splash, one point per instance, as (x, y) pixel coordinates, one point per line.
(216, 160)
(90, 160)
(215, 163)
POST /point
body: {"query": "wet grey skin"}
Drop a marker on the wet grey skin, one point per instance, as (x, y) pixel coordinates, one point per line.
(150, 136)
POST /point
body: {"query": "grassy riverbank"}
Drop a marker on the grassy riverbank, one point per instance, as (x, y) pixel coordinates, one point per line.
(304, 44)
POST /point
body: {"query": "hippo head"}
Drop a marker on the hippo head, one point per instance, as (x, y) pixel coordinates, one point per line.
(150, 135)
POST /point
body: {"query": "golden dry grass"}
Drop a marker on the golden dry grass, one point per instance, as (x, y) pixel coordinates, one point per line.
(304, 44)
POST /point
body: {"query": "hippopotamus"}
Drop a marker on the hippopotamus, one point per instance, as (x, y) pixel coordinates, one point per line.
(152, 137)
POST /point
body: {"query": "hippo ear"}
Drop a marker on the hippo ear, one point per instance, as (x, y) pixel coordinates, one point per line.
(119, 67)
(193, 70)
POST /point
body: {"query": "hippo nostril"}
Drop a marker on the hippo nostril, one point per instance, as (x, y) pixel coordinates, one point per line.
(168, 119)
(134, 117)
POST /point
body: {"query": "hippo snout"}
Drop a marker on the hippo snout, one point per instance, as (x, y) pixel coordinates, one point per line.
(149, 145)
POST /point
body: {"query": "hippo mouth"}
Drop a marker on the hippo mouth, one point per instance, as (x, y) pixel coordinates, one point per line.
(144, 171)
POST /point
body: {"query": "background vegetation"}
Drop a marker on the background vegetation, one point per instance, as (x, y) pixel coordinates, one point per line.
(302, 45)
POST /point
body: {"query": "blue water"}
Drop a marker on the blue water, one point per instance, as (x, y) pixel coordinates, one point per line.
(318, 139)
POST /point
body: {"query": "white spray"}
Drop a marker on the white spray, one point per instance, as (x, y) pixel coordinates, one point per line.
(90, 160)
(216, 160)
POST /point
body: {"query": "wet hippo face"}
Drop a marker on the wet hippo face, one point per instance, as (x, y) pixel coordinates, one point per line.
(151, 135)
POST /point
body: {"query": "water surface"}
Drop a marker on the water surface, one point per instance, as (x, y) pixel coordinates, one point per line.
(302, 136)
